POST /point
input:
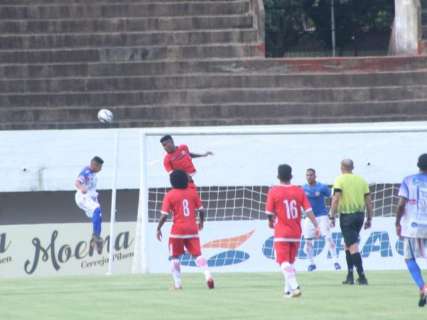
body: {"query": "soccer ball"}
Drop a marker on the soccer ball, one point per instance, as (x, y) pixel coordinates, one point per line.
(105, 116)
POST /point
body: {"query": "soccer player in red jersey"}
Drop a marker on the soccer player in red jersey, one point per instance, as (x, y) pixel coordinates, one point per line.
(283, 207)
(183, 203)
(179, 157)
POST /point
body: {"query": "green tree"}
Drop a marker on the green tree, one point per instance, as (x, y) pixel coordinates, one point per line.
(284, 25)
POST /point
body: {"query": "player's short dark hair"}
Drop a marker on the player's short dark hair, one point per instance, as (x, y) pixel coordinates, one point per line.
(165, 138)
(98, 160)
(422, 162)
(284, 172)
(312, 170)
(179, 179)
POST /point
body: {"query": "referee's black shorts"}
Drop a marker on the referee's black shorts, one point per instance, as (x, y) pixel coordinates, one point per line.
(351, 224)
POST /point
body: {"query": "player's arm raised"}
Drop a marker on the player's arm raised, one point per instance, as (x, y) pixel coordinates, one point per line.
(197, 155)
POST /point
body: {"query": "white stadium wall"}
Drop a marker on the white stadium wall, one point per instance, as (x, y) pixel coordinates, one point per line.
(50, 160)
(53, 249)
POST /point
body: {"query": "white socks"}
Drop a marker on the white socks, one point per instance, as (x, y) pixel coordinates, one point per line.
(202, 264)
(289, 273)
(176, 273)
(309, 248)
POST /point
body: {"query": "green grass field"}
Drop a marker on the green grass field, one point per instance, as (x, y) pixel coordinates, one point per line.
(390, 295)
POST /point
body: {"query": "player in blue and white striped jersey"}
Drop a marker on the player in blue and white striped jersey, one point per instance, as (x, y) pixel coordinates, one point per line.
(411, 223)
(87, 199)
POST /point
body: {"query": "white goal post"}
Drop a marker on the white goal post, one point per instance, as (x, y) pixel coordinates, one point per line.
(233, 182)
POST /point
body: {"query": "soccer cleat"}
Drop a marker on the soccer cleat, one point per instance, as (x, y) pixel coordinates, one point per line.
(293, 294)
(96, 242)
(311, 267)
(337, 266)
(210, 283)
(349, 280)
(423, 299)
(362, 281)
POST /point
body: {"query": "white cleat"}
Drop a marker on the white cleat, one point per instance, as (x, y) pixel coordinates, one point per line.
(293, 294)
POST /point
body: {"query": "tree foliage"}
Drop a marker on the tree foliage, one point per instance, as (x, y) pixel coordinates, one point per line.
(287, 21)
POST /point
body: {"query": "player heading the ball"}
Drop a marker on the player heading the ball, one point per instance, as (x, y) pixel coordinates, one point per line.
(180, 157)
(283, 207)
(87, 199)
(183, 203)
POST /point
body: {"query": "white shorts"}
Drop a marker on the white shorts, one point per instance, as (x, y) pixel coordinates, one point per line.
(414, 248)
(86, 203)
(309, 231)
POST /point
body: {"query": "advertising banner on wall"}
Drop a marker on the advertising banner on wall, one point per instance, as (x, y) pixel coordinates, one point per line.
(233, 246)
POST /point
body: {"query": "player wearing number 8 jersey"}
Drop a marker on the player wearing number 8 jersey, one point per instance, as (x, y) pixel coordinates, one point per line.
(183, 203)
(283, 207)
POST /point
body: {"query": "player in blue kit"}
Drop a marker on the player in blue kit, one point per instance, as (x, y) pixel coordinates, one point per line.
(87, 199)
(411, 223)
(316, 193)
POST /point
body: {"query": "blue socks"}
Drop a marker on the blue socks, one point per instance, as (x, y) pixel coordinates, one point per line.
(96, 221)
(415, 272)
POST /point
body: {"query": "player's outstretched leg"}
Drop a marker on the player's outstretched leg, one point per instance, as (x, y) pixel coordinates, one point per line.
(176, 273)
(309, 248)
(417, 276)
(291, 283)
(203, 264)
(97, 241)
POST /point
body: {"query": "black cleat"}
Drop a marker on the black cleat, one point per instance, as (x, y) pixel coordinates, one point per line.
(423, 300)
(349, 280)
(362, 281)
(96, 242)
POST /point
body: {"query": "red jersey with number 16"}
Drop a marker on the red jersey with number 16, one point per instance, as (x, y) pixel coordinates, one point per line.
(285, 202)
(183, 205)
(180, 159)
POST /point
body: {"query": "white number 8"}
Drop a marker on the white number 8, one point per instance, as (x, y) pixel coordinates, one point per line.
(185, 208)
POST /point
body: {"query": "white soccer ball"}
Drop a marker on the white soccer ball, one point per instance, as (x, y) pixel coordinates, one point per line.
(105, 116)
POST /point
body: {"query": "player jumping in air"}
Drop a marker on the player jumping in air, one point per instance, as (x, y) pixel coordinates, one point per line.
(183, 203)
(411, 223)
(179, 157)
(283, 207)
(87, 199)
(316, 193)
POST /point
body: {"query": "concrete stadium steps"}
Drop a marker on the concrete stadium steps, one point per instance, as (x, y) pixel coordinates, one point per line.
(216, 81)
(116, 10)
(96, 99)
(97, 40)
(207, 66)
(23, 27)
(130, 54)
(216, 114)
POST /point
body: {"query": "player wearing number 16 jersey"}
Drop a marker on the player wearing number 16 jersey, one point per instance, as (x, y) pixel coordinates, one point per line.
(183, 203)
(283, 207)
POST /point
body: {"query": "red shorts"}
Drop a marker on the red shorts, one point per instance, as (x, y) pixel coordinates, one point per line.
(177, 246)
(286, 251)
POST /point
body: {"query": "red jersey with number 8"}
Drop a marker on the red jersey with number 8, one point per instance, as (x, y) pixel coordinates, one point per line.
(285, 202)
(183, 205)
